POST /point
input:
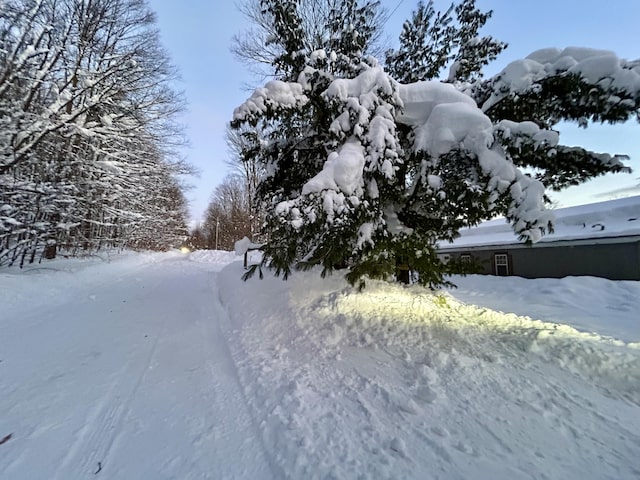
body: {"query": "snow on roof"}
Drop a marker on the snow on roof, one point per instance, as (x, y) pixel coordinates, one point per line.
(613, 218)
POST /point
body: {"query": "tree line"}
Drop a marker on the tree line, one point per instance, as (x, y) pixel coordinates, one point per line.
(88, 130)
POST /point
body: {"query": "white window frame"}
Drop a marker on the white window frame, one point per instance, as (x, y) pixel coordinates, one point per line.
(444, 257)
(501, 260)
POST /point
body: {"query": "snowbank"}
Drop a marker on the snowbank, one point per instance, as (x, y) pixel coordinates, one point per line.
(589, 304)
(212, 257)
(401, 383)
(52, 281)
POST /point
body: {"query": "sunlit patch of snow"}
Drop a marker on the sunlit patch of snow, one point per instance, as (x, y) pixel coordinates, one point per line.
(393, 382)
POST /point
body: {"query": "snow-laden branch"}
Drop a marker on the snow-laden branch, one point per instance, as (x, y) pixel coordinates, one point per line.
(275, 95)
(445, 120)
(562, 82)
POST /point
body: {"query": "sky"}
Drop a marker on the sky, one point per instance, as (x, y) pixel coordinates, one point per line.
(198, 34)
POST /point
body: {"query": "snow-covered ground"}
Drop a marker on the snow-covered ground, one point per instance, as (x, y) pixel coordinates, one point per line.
(169, 366)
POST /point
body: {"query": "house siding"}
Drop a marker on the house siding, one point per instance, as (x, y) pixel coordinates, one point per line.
(615, 261)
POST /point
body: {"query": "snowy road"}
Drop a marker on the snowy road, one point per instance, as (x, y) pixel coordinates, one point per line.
(125, 376)
(164, 366)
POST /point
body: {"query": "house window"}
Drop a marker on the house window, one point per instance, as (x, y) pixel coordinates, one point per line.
(502, 264)
(465, 258)
(444, 258)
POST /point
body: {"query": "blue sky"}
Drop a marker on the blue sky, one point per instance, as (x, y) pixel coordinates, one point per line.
(197, 35)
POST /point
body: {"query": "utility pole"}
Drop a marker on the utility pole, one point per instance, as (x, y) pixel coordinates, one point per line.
(217, 228)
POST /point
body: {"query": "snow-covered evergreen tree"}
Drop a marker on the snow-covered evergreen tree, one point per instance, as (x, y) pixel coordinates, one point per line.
(363, 169)
(304, 129)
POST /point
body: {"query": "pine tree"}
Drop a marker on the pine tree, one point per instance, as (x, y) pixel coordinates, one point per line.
(305, 130)
(474, 52)
(426, 44)
(363, 171)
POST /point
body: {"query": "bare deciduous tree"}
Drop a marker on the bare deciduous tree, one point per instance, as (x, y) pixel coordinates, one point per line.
(228, 216)
(87, 128)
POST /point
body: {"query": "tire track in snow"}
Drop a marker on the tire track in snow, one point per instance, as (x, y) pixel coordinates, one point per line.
(147, 384)
(90, 452)
(186, 300)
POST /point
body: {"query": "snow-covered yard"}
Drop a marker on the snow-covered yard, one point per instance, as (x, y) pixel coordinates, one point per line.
(169, 366)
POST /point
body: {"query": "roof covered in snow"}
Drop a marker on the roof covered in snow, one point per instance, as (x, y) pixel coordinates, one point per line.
(612, 219)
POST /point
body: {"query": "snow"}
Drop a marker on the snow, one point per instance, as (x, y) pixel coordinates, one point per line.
(170, 366)
(594, 222)
(118, 368)
(275, 94)
(342, 171)
(597, 67)
(240, 247)
(365, 234)
(589, 304)
(419, 100)
(527, 130)
(365, 87)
